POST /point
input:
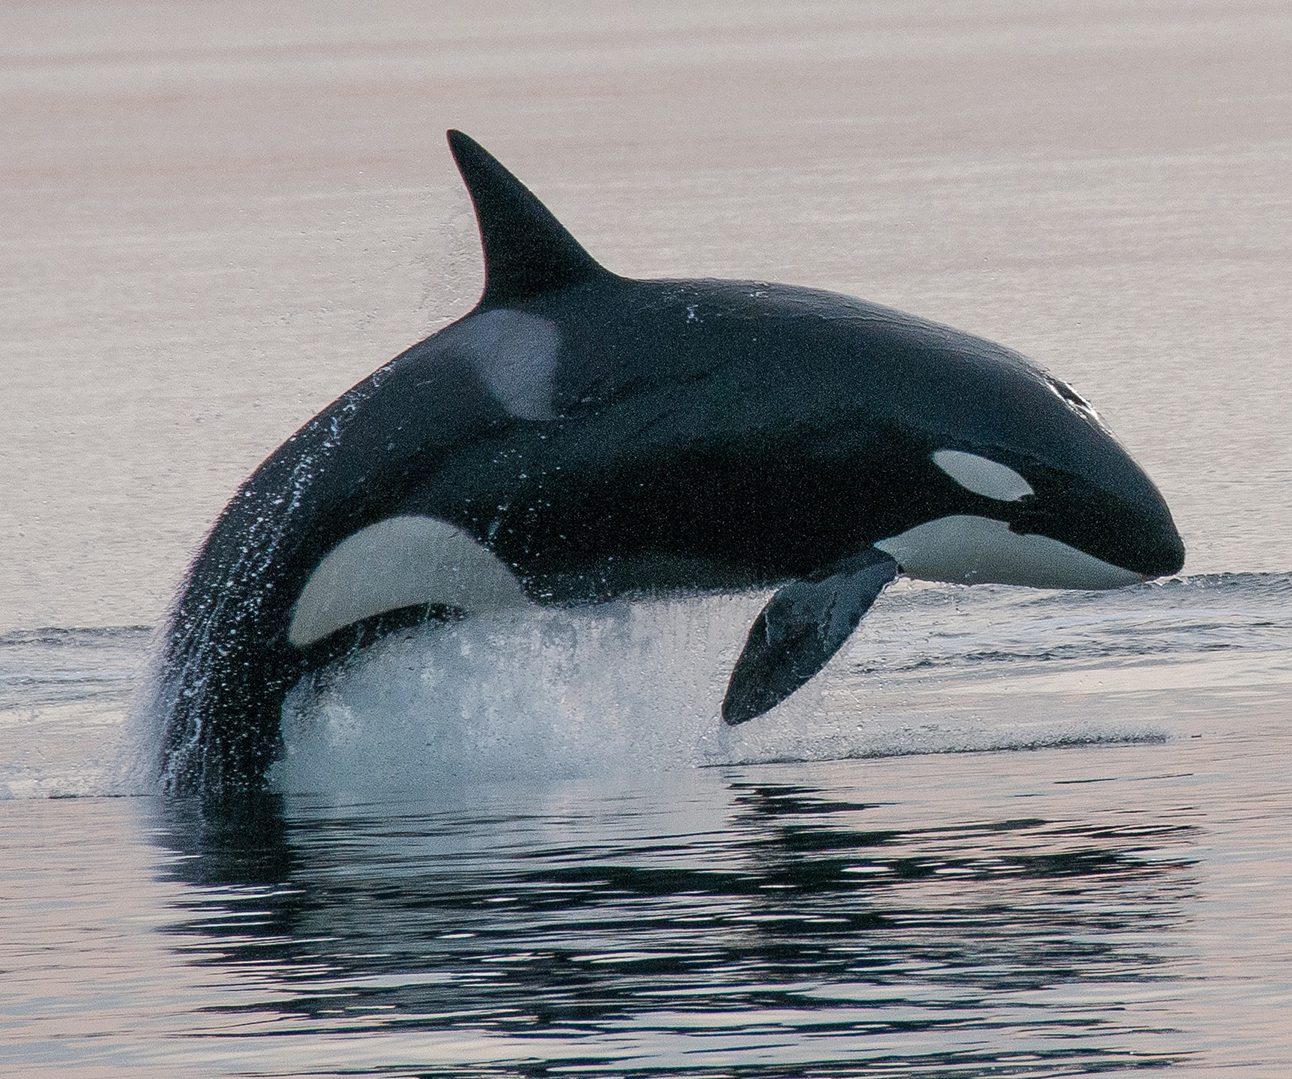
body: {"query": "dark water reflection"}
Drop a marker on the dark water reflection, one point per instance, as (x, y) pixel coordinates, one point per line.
(732, 927)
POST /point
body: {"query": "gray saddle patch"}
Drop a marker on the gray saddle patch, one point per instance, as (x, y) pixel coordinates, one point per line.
(515, 355)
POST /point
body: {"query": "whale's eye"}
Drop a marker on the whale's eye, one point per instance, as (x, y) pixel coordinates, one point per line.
(982, 476)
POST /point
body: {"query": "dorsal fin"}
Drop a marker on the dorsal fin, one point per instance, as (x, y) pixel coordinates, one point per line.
(526, 250)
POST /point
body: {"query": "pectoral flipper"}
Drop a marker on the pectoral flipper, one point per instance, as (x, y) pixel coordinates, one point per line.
(802, 626)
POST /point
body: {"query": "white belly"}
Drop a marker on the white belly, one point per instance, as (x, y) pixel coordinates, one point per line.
(978, 550)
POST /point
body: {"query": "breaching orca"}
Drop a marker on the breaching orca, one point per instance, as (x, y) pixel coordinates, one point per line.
(579, 436)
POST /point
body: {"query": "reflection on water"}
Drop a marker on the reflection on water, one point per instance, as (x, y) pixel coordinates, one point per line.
(731, 926)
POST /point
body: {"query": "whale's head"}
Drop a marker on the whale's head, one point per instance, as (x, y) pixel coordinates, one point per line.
(1035, 490)
(1090, 494)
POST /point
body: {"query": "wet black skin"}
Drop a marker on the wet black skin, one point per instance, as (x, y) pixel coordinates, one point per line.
(706, 436)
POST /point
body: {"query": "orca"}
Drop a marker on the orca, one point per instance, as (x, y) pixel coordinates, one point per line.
(580, 436)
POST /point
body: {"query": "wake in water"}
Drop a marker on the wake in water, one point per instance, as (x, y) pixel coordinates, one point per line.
(635, 687)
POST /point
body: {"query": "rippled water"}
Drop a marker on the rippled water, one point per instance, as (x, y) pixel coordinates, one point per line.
(1008, 833)
(1055, 844)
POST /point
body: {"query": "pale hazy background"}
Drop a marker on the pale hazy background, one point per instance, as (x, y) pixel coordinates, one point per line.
(217, 217)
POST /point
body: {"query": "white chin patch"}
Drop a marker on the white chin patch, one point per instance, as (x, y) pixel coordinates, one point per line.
(400, 562)
(982, 476)
(515, 356)
(978, 550)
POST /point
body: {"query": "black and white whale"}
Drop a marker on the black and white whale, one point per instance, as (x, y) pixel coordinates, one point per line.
(580, 436)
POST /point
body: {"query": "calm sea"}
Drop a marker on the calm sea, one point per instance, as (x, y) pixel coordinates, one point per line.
(1008, 833)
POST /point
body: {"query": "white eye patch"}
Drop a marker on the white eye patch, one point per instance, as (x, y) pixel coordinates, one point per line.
(982, 476)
